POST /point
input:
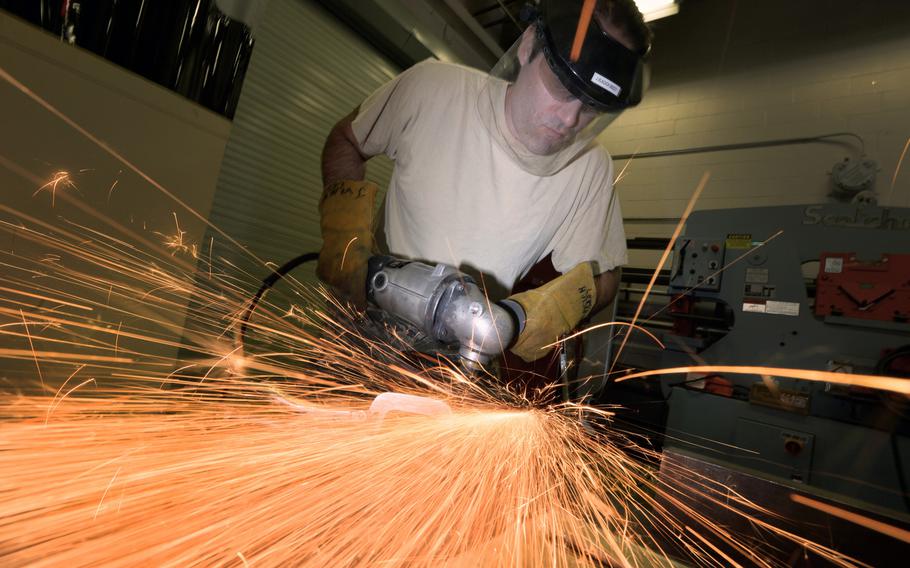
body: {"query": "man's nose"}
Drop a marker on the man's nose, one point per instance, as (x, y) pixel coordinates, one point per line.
(569, 112)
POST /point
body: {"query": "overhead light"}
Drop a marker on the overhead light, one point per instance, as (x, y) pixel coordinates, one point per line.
(654, 9)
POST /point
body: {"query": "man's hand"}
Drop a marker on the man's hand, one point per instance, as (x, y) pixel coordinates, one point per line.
(346, 210)
(554, 309)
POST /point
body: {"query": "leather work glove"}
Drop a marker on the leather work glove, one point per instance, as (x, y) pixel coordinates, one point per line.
(346, 220)
(553, 309)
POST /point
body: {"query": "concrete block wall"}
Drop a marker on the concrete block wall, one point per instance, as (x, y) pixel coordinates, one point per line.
(742, 71)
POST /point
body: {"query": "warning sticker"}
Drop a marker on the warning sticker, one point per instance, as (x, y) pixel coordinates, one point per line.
(772, 307)
(834, 265)
(782, 308)
(739, 241)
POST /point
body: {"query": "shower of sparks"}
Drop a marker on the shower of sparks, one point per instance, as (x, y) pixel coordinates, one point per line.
(22, 88)
(270, 456)
(177, 242)
(60, 180)
(147, 461)
(192, 480)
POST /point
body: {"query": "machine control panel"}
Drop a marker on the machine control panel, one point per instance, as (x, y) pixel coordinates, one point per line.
(697, 262)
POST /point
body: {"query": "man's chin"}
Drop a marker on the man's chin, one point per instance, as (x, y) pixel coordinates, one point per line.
(549, 148)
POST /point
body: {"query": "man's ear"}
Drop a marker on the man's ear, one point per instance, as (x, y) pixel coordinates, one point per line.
(526, 45)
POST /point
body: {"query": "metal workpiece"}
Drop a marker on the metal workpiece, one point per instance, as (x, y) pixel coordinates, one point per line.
(444, 303)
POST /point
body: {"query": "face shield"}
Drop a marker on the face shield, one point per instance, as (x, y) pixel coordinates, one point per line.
(544, 108)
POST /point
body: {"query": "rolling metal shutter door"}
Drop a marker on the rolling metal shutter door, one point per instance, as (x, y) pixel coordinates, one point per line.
(307, 71)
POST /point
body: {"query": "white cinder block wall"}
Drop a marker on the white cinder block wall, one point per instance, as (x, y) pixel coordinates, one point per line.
(749, 70)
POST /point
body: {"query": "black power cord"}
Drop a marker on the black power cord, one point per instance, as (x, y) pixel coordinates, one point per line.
(267, 284)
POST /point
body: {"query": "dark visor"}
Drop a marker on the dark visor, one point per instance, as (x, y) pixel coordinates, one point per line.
(607, 75)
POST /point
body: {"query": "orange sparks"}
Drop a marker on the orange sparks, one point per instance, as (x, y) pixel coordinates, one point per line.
(106, 489)
(893, 384)
(861, 520)
(177, 243)
(209, 459)
(15, 83)
(622, 173)
(897, 170)
(478, 489)
(59, 179)
(663, 259)
(52, 405)
(216, 455)
(111, 190)
(201, 478)
(60, 356)
(44, 298)
(31, 346)
(344, 255)
(713, 547)
(607, 324)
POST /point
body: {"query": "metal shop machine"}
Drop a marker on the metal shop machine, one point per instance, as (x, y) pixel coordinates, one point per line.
(830, 292)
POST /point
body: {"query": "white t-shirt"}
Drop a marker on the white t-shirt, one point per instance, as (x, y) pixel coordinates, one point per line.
(458, 198)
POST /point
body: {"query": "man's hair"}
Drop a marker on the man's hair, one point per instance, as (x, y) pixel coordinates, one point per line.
(626, 17)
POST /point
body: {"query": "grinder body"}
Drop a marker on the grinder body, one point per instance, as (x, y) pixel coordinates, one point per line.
(444, 303)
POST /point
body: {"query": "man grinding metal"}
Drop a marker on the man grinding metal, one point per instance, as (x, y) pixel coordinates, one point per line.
(496, 172)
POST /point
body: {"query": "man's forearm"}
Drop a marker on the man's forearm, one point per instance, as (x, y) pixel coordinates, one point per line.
(341, 157)
(606, 284)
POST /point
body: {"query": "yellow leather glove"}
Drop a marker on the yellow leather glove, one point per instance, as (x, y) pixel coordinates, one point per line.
(554, 309)
(346, 211)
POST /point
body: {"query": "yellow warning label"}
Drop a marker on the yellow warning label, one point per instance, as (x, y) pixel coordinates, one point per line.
(739, 241)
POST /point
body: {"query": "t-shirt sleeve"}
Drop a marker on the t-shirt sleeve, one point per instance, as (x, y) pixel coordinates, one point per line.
(596, 231)
(383, 119)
